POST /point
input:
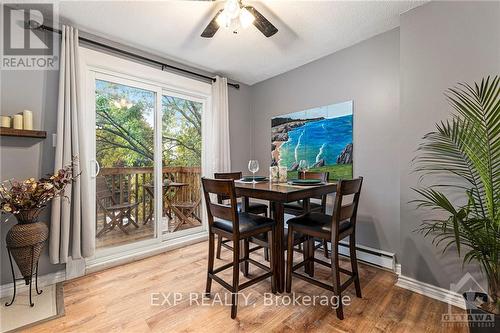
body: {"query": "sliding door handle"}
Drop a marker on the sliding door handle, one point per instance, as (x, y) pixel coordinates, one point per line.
(96, 167)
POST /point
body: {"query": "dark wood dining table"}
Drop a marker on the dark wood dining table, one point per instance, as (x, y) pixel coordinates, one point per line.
(279, 194)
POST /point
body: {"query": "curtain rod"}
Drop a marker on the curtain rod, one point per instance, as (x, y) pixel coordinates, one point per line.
(36, 25)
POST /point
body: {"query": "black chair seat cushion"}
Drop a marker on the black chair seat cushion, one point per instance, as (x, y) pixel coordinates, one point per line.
(248, 223)
(317, 222)
(254, 207)
(299, 205)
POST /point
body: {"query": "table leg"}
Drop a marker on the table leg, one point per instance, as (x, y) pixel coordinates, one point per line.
(244, 205)
(279, 249)
(309, 268)
(245, 202)
(307, 205)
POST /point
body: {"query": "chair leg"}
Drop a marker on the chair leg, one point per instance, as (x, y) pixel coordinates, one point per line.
(336, 279)
(236, 278)
(246, 255)
(266, 253)
(310, 256)
(210, 269)
(325, 248)
(305, 252)
(219, 246)
(354, 264)
(289, 263)
(271, 236)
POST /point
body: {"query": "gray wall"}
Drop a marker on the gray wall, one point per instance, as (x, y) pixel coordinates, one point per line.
(368, 74)
(396, 80)
(240, 126)
(442, 43)
(24, 158)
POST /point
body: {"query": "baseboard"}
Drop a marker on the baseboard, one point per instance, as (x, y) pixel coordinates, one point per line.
(7, 290)
(440, 294)
(369, 255)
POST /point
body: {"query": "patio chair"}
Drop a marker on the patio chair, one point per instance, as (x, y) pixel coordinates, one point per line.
(114, 213)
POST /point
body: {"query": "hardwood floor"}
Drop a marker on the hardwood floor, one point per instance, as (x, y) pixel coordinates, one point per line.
(120, 299)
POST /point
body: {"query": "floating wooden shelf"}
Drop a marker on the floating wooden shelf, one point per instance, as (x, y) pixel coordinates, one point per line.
(22, 133)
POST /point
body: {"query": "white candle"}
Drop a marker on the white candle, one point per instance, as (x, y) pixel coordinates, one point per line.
(28, 120)
(18, 121)
(5, 121)
(274, 174)
(283, 173)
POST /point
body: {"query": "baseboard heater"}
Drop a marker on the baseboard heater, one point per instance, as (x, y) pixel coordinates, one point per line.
(369, 255)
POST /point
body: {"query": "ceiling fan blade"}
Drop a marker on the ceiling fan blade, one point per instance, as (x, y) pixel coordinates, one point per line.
(212, 27)
(261, 23)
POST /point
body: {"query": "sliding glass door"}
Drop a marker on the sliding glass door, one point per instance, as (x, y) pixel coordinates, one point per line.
(181, 162)
(148, 163)
(125, 154)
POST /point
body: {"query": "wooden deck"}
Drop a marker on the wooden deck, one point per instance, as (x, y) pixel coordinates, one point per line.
(119, 300)
(116, 237)
(128, 185)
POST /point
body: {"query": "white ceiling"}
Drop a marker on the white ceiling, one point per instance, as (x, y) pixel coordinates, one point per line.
(308, 30)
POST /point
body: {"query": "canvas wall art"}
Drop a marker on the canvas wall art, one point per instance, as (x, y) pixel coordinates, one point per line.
(322, 136)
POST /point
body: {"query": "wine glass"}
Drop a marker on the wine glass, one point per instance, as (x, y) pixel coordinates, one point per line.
(303, 167)
(253, 167)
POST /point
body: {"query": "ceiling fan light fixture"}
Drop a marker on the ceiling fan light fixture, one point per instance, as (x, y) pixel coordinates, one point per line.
(246, 18)
(223, 20)
(235, 15)
(232, 8)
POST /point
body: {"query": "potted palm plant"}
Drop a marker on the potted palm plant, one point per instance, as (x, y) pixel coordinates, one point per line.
(465, 152)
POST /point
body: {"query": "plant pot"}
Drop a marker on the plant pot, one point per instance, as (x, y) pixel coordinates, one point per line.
(25, 241)
(479, 320)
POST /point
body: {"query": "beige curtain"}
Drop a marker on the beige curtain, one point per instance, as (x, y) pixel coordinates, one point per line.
(216, 144)
(71, 229)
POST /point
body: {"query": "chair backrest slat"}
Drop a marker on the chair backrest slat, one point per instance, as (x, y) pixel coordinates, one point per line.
(314, 175)
(221, 211)
(351, 186)
(227, 175)
(225, 188)
(349, 211)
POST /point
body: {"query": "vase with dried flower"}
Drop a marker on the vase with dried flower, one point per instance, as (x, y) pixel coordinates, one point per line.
(26, 200)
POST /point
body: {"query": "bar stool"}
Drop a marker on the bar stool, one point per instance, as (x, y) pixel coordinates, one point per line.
(333, 228)
(253, 207)
(226, 221)
(297, 208)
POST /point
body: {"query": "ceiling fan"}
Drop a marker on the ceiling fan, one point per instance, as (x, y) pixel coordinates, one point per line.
(235, 15)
